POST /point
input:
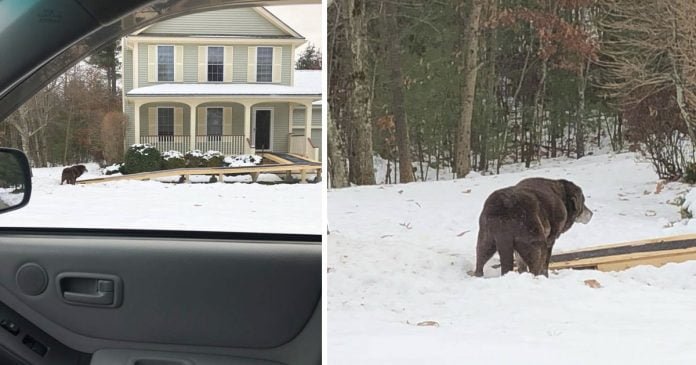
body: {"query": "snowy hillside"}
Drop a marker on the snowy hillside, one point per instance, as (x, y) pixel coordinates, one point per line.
(278, 208)
(399, 254)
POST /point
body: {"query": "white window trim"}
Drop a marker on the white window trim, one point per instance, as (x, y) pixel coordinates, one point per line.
(253, 124)
(157, 46)
(257, 64)
(157, 119)
(207, 47)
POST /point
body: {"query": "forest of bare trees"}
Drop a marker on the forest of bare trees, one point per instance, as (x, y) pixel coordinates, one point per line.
(76, 118)
(462, 85)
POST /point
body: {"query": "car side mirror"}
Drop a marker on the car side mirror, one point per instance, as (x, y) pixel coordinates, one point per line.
(15, 179)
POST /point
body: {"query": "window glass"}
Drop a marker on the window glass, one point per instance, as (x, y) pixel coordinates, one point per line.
(264, 64)
(215, 63)
(165, 63)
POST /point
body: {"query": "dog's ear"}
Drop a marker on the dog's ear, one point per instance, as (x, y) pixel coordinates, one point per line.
(572, 198)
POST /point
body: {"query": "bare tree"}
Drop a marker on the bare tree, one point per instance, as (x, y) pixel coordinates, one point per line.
(31, 118)
(470, 16)
(360, 158)
(392, 43)
(648, 48)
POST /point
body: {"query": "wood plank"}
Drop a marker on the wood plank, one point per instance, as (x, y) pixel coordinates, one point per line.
(640, 242)
(279, 168)
(660, 244)
(304, 158)
(275, 158)
(629, 260)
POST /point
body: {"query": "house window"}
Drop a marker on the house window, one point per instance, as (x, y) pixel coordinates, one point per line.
(264, 64)
(165, 121)
(215, 63)
(165, 63)
(214, 122)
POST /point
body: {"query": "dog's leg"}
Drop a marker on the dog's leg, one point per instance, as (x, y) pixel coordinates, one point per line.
(521, 265)
(549, 251)
(485, 249)
(533, 254)
(507, 257)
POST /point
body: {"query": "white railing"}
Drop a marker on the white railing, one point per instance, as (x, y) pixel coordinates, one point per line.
(314, 150)
(297, 144)
(227, 145)
(168, 143)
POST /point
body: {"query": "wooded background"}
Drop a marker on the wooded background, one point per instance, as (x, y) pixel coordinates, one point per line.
(462, 85)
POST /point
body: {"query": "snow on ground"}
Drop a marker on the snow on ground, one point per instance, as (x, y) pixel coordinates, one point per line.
(398, 255)
(282, 208)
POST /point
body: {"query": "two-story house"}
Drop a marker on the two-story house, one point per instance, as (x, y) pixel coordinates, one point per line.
(222, 80)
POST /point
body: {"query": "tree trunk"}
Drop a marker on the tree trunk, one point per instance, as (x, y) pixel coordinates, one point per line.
(361, 165)
(392, 38)
(469, 70)
(338, 170)
(580, 122)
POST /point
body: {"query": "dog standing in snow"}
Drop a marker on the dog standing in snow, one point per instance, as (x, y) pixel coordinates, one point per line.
(70, 174)
(527, 219)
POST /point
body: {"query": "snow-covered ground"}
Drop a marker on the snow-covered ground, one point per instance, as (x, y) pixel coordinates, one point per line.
(282, 208)
(399, 255)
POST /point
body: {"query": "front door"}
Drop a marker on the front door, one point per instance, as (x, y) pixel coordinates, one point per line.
(263, 129)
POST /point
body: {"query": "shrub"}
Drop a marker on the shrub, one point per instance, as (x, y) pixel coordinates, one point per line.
(213, 159)
(690, 173)
(194, 158)
(173, 160)
(141, 158)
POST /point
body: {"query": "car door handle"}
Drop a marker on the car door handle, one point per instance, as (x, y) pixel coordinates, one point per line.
(90, 289)
(103, 296)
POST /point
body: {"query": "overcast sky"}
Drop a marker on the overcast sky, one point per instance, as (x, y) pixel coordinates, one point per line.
(304, 19)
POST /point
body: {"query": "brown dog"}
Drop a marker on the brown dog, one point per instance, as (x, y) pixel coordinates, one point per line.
(527, 219)
(70, 174)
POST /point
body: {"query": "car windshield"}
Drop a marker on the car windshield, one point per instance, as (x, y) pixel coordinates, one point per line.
(170, 127)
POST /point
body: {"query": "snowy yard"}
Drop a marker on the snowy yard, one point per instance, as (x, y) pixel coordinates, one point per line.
(282, 208)
(398, 256)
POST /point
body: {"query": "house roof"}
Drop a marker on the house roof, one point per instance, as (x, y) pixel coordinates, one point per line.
(274, 21)
(306, 83)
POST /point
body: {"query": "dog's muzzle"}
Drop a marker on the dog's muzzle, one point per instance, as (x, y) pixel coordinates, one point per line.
(585, 216)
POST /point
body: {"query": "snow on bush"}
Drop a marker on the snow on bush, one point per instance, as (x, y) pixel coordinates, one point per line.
(212, 154)
(113, 169)
(242, 160)
(172, 154)
(213, 159)
(689, 204)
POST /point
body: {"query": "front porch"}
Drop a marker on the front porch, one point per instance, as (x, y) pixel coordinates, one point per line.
(229, 125)
(228, 145)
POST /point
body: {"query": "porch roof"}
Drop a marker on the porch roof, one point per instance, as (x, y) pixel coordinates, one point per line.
(307, 83)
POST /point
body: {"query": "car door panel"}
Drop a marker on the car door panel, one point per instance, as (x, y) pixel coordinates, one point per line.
(201, 295)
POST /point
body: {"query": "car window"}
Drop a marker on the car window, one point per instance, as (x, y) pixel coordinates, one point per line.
(159, 129)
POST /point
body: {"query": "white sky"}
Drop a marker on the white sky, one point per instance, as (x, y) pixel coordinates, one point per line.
(304, 19)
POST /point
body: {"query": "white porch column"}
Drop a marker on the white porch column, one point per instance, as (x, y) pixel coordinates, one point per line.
(136, 120)
(247, 128)
(308, 130)
(291, 112)
(192, 126)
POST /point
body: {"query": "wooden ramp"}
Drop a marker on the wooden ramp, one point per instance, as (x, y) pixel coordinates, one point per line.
(279, 166)
(656, 252)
